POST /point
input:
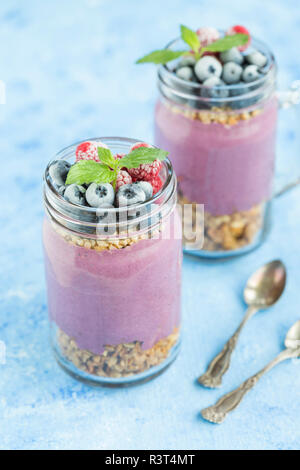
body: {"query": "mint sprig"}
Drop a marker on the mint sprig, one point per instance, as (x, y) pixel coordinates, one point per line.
(90, 171)
(190, 37)
(160, 57)
(105, 156)
(227, 42)
(142, 155)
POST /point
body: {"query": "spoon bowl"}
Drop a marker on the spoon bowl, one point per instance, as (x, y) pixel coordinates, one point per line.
(266, 285)
(292, 340)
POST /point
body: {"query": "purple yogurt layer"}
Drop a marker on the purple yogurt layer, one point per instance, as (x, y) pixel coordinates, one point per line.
(117, 296)
(226, 168)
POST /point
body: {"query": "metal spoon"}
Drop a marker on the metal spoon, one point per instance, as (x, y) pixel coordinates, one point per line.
(263, 289)
(218, 412)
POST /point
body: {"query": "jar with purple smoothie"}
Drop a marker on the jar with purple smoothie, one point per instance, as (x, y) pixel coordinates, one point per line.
(217, 115)
(113, 260)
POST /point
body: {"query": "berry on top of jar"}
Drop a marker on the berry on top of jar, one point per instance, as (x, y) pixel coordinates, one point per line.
(214, 60)
(100, 179)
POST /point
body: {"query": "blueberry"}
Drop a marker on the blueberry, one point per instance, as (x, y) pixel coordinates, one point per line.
(187, 60)
(232, 73)
(256, 58)
(75, 194)
(207, 67)
(250, 73)
(129, 194)
(61, 190)
(58, 171)
(232, 55)
(99, 194)
(146, 187)
(185, 73)
(216, 88)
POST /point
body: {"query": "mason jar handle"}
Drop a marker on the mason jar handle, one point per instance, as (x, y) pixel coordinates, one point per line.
(286, 100)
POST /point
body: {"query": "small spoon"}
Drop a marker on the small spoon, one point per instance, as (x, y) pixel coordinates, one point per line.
(262, 290)
(218, 412)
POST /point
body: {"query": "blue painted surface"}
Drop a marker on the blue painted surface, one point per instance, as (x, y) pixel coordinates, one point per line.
(69, 72)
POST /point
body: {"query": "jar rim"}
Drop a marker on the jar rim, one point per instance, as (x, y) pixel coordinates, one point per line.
(75, 215)
(191, 90)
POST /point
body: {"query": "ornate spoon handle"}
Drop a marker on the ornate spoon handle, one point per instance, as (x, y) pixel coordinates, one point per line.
(218, 412)
(220, 364)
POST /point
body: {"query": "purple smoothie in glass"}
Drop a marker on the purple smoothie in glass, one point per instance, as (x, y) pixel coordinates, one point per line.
(222, 138)
(226, 168)
(113, 296)
(114, 288)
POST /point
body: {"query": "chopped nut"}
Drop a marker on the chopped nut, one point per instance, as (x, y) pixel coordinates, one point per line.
(225, 116)
(226, 232)
(117, 361)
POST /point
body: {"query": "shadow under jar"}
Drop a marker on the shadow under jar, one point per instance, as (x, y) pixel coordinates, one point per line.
(223, 152)
(113, 288)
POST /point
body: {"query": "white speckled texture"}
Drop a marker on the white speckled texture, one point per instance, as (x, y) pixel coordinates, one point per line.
(69, 72)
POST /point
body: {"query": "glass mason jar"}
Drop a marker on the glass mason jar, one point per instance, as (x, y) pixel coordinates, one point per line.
(223, 152)
(113, 286)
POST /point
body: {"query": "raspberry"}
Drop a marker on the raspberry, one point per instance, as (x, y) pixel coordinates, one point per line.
(239, 29)
(88, 151)
(156, 184)
(207, 35)
(137, 145)
(123, 178)
(146, 171)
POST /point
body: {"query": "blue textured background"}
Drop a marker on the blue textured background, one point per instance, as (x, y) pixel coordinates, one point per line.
(70, 74)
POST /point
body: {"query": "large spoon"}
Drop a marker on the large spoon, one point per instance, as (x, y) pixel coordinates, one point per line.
(218, 412)
(262, 290)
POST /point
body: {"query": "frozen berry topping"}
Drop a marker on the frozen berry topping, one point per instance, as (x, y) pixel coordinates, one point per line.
(146, 171)
(223, 63)
(130, 194)
(123, 178)
(88, 151)
(138, 145)
(106, 183)
(242, 30)
(156, 184)
(207, 35)
(98, 195)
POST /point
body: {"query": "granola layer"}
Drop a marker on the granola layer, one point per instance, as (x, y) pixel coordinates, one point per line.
(227, 232)
(225, 115)
(100, 244)
(118, 361)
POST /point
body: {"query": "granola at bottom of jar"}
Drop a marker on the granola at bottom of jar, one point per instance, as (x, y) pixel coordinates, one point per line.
(227, 232)
(117, 361)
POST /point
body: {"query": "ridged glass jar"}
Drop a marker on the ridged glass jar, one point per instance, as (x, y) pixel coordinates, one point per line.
(223, 152)
(114, 288)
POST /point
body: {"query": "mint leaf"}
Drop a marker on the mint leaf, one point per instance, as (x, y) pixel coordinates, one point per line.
(142, 155)
(89, 171)
(105, 156)
(227, 42)
(190, 37)
(161, 56)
